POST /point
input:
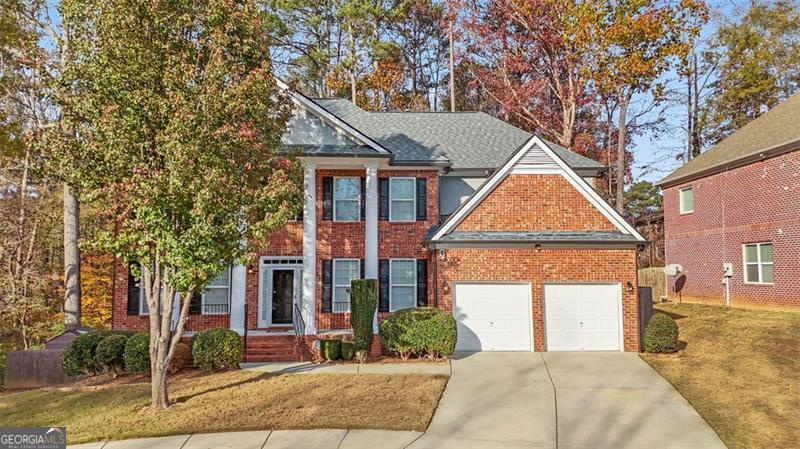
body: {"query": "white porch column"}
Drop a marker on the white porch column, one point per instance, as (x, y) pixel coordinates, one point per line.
(308, 305)
(238, 287)
(371, 227)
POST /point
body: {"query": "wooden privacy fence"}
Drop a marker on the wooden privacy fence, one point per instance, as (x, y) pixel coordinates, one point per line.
(653, 278)
(645, 312)
(34, 369)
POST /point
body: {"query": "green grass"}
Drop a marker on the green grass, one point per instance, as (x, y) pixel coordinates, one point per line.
(740, 369)
(232, 401)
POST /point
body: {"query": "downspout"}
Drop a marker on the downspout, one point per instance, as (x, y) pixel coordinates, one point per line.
(435, 278)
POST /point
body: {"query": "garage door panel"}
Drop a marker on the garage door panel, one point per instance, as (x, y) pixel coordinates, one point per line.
(582, 317)
(492, 316)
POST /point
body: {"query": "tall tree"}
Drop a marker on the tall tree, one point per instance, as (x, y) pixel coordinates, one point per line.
(642, 198)
(180, 118)
(758, 61)
(639, 40)
(531, 57)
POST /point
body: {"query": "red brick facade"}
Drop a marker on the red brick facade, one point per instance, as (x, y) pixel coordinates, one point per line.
(541, 267)
(535, 202)
(759, 202)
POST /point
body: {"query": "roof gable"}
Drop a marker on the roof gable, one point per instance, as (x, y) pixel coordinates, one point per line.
(535, 157)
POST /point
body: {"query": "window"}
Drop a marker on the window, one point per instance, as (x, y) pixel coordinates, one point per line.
(686, 200)
(402, 284)
(347, 199)
(402, 194)
(216, 297)
(758, 267)
(344, 271)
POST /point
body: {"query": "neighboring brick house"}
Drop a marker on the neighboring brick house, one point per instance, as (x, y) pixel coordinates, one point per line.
(739, 204)
(454, 210)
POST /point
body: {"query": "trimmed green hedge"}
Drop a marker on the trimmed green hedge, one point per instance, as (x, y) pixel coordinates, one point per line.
(182, 358)
(137, 353)
(79, 355)
(217, 348)
(348, 350)
(330, 349)
(420, 332)
(661, 334)
(363, 302)
(110, 351)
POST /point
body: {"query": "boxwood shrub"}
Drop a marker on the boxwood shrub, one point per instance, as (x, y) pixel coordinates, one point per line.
(420, 332)
(79, 356)
(661, 334)
(217, 348)
(110, 351)
(182, 358)
(330, 349)
(137, 353)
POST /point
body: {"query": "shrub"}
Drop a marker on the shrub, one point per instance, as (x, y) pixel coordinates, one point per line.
(661, 334)
(137, 353)
(217, 348)
(347, 350)
(330, 349)
(110, 352)
(79, 355)
(363, 302)
(421, 332)
(182, 358)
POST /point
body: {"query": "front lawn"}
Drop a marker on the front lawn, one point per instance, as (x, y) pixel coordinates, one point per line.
(740, 369)
(232, 401)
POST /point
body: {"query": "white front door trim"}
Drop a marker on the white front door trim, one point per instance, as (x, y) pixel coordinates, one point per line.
(265, 272)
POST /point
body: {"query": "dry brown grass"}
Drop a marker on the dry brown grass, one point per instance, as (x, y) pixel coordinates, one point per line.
(233, 401)
(741, 370)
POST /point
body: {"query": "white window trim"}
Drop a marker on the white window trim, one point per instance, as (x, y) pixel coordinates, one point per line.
(414, 285)
(680, 201)
(413, 199)
(358, 198)
(758, 263)
(333, 278)
(203, 297)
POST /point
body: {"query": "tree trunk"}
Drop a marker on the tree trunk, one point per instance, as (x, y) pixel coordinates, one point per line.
(452, 72)
(72, 261)
(624, 100)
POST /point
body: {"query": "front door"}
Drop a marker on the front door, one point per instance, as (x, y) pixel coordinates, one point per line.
(282, 296)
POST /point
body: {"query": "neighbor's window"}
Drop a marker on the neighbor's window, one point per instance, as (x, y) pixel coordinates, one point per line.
(758, 267)
(346, 199)
(344, 271)
(402, 203)
(402, 284)
(217, 294)
(687, 200)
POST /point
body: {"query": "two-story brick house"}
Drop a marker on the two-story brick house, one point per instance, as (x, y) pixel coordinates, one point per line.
(739, 204)
(454, 210)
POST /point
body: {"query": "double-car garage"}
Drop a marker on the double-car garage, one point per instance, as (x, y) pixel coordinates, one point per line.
(575, 316)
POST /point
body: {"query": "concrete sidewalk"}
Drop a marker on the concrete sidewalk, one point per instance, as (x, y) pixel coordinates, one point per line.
(276, 439)
(432, 368)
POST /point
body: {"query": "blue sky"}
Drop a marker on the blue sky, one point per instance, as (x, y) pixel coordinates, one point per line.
(654, 153)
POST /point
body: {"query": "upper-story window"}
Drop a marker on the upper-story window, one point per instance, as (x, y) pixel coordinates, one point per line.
(347, 199)
(758, 266)
(402, 199)
(686, 200)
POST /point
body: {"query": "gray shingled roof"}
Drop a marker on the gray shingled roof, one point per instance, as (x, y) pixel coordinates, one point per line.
(470, 140)
(773, 129)
(543, 236)
(332, 150)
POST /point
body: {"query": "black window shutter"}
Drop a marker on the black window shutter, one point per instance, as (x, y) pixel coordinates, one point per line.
(363, 198)
(361, 264)
(134, 292)
(422, 283)
(383, 285)
(196, 304)
(327, 285)
(327, 198)
(422, 199)
(383, 194)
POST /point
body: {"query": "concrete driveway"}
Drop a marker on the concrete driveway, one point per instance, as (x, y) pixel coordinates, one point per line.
(565, 401)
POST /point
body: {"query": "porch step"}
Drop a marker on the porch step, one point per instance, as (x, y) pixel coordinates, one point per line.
(276, 348)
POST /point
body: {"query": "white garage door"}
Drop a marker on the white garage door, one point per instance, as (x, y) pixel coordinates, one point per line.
(582, 317)
(493, 317)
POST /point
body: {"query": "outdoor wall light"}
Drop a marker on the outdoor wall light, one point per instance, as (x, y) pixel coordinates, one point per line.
(446, 287)
(442, 255)
(538, 247)
(629, 286)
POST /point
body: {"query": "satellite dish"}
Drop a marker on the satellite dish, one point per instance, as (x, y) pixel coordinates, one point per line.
(673, 269)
